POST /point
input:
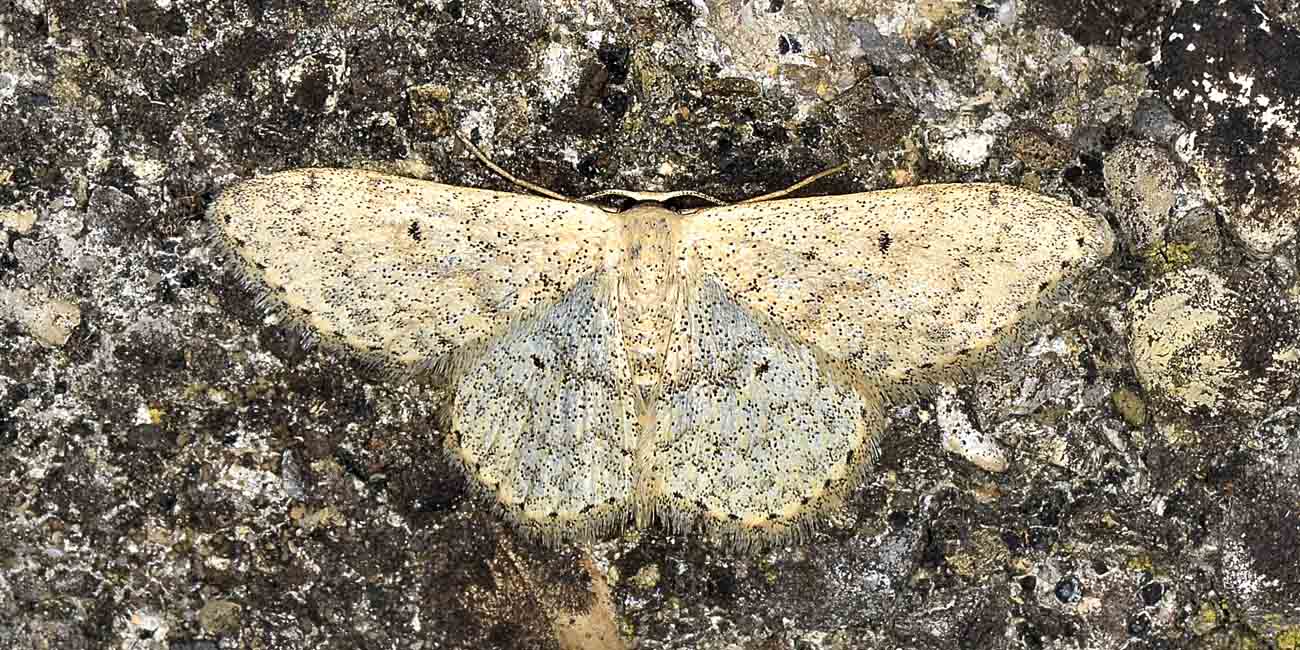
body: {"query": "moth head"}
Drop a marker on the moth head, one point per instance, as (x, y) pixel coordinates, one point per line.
(681, 201)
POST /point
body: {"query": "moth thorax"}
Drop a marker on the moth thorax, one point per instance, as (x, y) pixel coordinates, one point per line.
(649, 285)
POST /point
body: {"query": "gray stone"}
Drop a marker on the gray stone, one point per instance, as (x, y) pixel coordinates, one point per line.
(1141, 182)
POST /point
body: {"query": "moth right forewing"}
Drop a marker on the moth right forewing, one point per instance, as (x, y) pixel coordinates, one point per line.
(908, 285)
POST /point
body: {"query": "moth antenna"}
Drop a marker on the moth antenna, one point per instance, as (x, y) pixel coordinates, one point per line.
(807, 181)
(532, 187)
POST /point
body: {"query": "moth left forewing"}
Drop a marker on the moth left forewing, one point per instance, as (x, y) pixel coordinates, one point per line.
(910, 286)
(402, 270)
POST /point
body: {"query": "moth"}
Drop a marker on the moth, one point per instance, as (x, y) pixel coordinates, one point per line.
(726, 368)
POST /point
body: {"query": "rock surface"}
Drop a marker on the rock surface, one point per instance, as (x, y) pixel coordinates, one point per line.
(179, 472)
(1140, 183)
(1203, 347)
(1228, 70)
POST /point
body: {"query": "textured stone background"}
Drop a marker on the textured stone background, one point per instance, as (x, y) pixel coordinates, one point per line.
(178, 472)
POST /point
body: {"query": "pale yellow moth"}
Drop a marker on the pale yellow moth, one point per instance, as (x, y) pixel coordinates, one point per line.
(726, 368)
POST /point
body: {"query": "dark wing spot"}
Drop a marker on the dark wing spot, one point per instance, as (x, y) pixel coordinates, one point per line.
(414, 232)
(885, 241)
(537, 363)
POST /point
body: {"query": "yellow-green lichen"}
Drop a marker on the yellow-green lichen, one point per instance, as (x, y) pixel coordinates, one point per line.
(1289, 638)
(1164, 257)
(1130, 406)
(1208, 618)
(647, 577)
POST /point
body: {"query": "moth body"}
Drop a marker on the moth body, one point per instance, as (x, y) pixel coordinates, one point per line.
(651, 274)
